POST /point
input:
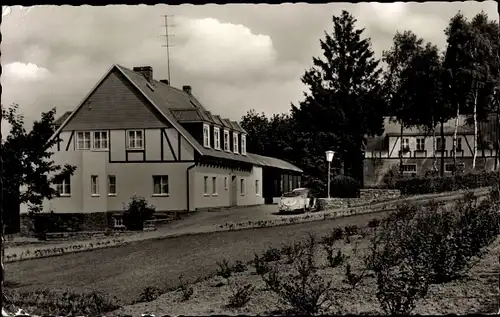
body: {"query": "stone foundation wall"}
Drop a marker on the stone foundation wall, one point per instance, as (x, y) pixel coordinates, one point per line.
(366, 196)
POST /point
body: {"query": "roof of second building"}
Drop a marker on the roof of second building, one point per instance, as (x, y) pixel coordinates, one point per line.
(274, 162)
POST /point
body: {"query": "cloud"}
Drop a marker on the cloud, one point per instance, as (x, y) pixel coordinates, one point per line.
(22, 71)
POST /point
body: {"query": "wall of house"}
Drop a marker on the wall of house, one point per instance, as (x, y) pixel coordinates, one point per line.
(223, 196)
(376, 168)
(395, 145)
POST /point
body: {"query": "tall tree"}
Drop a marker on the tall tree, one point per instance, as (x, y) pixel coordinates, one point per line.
(27, 163)
(257, 126)
(344, 105)
(406, 46)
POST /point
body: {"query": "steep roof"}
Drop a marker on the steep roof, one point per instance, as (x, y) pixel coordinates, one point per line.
(178, 106)
(392, 128)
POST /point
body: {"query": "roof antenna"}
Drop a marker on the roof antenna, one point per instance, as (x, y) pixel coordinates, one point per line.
(167, 36)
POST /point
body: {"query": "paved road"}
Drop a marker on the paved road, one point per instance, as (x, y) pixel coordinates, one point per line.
(125, 271)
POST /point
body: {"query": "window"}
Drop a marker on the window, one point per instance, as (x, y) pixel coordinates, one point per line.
(290, 185)
(214, 186)
(205, 185)
(225, 183)
(101, 140)
(206, 135)
(242, 186)
(409, 168)
(459, 144)
(135, 139)
(217, 138)
(420, 144)
(226, 140)
(111, 185)
(160, 185)
(63, 186)
(257, 187)
(448, 168)
(441, 143)
(83, 140)
(118, 222)
(94, 185)
(243, 144)
(235, 142)
(406, 144)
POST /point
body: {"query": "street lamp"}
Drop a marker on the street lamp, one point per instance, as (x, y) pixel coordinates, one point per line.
(329, 158)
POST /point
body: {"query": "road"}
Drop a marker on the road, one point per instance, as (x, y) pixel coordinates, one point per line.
(123, 272)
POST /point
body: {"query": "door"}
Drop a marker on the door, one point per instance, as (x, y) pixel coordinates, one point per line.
(234, 191)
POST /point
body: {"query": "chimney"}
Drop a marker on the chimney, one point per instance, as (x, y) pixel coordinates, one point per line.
(187, 89)
(146, 71)
(165, 81)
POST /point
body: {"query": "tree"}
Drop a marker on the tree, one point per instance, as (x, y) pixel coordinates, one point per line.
(397, 86)
(27, 163)
(344, 105)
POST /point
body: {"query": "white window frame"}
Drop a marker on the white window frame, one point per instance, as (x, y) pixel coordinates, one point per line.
(216, 138)
(450, 170)
(225, 183)
(214, 186)
(438, 144)
(257, 187)
(118, 222)
(206, 135)
(133, 139)
(205, 186)
(243, 144)
(420, 144)
(227, 141)
(64, 187)
(111, 192)
(410, 172)
(163, 181)
(406, 144)
(242, 186)
(94, 185)
(235, 143)
(103, 143)
(83, 140)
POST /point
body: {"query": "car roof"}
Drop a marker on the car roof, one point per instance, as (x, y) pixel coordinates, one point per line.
(298, 189)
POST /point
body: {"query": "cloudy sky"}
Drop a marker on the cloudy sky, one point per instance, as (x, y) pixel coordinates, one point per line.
(235, 57)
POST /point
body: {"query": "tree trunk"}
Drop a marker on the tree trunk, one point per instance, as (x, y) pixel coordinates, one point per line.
(497, 156)
(434, 157)
(401, 151)
(480, 137)
(475, 131)
(454, 149)
(441, 172)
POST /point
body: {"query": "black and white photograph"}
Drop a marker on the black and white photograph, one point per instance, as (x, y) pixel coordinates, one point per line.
(250, 159)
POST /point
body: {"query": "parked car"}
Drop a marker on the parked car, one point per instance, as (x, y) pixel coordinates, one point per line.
(298, 200)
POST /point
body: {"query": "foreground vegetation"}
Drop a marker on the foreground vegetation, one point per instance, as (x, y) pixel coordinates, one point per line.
(414, 260)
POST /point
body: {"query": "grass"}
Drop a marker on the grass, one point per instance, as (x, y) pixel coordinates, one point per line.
(355, 292)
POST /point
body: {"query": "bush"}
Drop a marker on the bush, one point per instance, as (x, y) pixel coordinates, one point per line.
(239, 267)
(136, 213)
(351, 230)
(241, 295)
(149, 294)
(271, 255)
(261, 266)
(186, 290)
(224, 269)
(334, 260)
(292, 252)
(46, 302)
(374, 223)
(344, 187)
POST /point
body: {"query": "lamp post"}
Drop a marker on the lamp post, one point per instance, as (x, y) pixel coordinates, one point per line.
(329, 158)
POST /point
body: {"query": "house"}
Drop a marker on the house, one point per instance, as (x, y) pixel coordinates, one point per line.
(135, 135)
(383, 153)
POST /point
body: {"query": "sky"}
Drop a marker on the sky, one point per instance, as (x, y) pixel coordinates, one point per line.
(235, 57)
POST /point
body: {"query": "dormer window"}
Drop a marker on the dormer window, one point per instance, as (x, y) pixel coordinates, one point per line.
(226, 141)
(243, 144)
(235, 143)
(216, 138)
(206, 135)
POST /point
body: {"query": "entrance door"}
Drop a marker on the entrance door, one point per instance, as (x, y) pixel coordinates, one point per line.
(234, 191)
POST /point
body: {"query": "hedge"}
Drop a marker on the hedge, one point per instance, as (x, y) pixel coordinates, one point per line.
(418, 186)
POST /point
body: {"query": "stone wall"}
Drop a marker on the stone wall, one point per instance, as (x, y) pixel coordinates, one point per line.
(366, 196)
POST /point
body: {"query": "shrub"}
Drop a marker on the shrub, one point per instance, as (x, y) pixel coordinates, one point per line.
(261, 266)
(224, 269)
(136, 213)
(46, 302)
(239, 267)
(241, 295)
(271, 255)
(344, 187)
(149, 294)
(351, 278)
(186, 289)
(351, 230)
(334, 260)
(335, 235)
(374, 223)
(292, 252)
